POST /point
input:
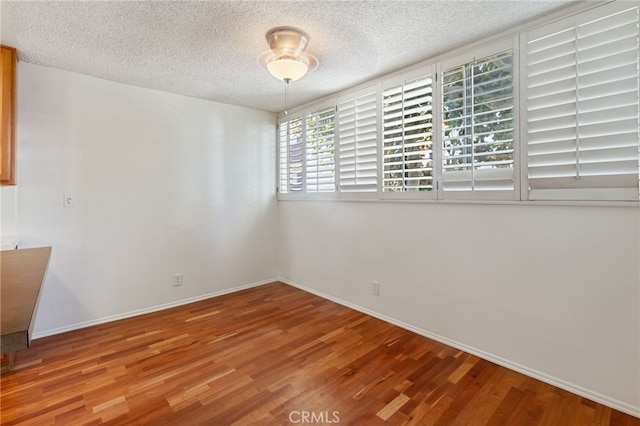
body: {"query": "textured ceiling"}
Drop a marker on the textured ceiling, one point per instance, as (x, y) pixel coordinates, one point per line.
(208, 49)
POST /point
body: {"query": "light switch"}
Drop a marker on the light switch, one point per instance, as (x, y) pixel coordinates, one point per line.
(68, 201)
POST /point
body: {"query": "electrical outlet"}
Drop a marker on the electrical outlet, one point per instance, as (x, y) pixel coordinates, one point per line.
(177, 280)
(375, 288)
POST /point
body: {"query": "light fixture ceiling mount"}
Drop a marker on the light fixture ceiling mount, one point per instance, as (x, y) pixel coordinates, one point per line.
(288, 60)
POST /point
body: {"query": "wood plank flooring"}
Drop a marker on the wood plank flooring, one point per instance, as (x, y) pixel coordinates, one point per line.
(273, 355)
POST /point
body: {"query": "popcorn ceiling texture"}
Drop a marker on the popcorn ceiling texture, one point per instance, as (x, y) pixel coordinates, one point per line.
(209, 49)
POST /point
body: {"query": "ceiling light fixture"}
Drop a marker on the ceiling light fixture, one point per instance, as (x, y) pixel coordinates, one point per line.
(288, 60)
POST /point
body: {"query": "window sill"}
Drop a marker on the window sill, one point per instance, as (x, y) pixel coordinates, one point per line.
(557, 203)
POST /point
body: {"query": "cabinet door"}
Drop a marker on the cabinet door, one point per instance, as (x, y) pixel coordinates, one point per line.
(7, 111)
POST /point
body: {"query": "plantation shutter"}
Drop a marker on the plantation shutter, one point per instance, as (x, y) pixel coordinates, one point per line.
(582, 106)
(320, 151)
(283, 157)
(407, 135)
(290, 156)
(357, 128)
(478, 126)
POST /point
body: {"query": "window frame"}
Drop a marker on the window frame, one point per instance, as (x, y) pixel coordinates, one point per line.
(579, 194)
(514, 40)
(287, 119)
(303, 114)
(425, 71)
(464, 59)
(319, 156)
(354, 96)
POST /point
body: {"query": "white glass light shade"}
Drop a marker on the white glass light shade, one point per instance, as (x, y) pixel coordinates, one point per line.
(287, 68)
(287, 60)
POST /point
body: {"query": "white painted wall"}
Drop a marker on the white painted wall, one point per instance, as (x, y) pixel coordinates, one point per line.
(552, 291)
(162, 184)
(8, 210)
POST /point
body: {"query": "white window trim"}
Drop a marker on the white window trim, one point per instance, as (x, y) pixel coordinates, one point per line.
(304, 195)
(464, 58)
(289, 194)
(621, 196)
(428, 70)
(357, 195)
(517, 39)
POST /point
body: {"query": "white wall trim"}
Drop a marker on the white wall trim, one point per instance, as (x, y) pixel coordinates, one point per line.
(103, 320)
(570, 387)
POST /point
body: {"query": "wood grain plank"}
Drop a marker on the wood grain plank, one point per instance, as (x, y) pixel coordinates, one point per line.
(263, 355)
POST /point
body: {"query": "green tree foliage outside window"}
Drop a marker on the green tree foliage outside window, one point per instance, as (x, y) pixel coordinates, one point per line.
(320, 151)
(478, 114)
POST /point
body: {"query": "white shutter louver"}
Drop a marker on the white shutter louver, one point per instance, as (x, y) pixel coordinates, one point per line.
(283, 157)
(290, 157)
(478, 126)
(357, 128)
(320, 151)
(582, 106)
(407, 124)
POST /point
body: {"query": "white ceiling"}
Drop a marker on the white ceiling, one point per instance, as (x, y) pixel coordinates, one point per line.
(208, 49)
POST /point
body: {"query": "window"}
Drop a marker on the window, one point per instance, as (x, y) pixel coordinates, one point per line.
(407, 136)
(320, 150)
(290, 156)
(358, 131)
(582, 109)
(551, 113)
(306, 153)
(478, 126)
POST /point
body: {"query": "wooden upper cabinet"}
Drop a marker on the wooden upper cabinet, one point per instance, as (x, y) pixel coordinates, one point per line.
(8, 112)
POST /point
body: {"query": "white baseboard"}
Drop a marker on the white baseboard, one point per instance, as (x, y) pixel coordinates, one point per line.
(103, 320)
(562, 384)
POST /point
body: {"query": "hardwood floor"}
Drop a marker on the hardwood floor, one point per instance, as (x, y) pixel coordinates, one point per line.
(273, 355)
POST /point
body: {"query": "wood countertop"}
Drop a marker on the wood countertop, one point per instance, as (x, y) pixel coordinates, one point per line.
(22, 272)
